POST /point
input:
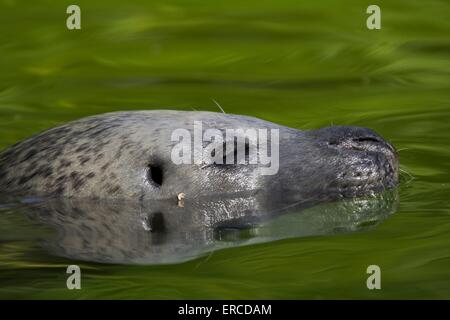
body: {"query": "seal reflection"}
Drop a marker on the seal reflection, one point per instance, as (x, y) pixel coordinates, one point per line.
(162, 232)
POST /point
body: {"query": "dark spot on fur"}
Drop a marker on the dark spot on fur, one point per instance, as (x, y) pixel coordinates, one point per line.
(29, 155)
(95, 133)
(65, 163)
(61, 179)
(45, 171)
(99, 156)
(77, 180)
(22, 180)
(78, 183)
(25, 179)
(114, 189)
(83, 159)
(60, 190)
(83, 147)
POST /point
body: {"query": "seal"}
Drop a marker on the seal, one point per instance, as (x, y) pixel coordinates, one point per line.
(127, 155)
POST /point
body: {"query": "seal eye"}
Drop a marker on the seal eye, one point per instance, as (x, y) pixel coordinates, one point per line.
(234, 154)
(155, 174)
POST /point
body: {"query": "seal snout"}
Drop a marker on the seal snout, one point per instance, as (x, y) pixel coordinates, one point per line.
(367, 161)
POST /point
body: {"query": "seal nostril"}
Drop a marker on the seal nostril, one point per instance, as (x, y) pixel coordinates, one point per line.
(372, 143)
(366, 139)
(333, 142)
(155, 174)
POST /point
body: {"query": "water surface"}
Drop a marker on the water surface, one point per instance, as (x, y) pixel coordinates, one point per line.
(304, 65)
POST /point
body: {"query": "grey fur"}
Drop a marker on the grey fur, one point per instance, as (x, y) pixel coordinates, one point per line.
(108, 157)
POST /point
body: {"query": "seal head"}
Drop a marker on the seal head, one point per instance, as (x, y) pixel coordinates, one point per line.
(127, 155)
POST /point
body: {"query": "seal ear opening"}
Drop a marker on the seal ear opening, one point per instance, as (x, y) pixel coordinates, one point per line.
(155, 174)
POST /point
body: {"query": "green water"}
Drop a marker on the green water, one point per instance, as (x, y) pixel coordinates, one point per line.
(303, 64)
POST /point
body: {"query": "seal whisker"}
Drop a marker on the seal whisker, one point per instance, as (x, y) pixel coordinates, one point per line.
(407, 173)
(205, 260)
(218, 105)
